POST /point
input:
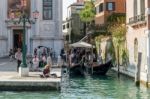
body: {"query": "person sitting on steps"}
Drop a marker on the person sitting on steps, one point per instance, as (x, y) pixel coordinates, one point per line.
(46, 71)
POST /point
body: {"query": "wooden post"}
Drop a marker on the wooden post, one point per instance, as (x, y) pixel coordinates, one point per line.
(138, 69)
(118, 60)
(92, 60)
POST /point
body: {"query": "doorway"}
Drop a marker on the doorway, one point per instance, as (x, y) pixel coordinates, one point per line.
(17, 38)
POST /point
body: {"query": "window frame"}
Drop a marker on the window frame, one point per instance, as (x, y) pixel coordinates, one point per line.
(113, 6)
(48, 8)
(135, 7)
(101, 7)
(142, 7)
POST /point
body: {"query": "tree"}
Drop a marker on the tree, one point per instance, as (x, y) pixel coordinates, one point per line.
(87, 14)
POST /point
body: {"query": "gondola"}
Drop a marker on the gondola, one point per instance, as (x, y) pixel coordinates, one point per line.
(101, 69)
(76, 70)
(95, 69)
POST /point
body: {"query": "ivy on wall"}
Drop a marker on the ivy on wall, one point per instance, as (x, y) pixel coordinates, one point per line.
(117, 28)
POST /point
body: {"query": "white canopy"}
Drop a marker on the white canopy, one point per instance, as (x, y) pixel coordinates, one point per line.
(81, 44)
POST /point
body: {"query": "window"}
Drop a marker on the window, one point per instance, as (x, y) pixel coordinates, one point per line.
(64, 27)
(47, 9)
(135, 7)
(101, 7)
(68, 25)
(110, 6)
(142, 7)
(96, 10)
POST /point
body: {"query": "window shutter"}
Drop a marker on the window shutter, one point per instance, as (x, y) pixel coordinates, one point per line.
(114, 6)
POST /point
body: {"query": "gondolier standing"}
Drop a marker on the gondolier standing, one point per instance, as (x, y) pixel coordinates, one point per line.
(18, 56)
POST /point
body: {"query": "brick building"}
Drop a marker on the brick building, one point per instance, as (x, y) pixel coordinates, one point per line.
(105, 7)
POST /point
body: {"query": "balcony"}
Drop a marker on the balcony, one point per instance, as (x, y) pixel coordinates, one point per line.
(137, 20)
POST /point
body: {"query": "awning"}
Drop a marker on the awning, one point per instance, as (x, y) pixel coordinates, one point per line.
(81, 44)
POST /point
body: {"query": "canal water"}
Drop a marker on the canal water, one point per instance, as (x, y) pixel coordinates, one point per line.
(102, 87)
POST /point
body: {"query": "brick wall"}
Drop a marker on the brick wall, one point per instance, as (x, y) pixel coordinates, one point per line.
(120, 7)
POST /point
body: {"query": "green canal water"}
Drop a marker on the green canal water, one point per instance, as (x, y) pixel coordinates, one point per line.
(102, 87)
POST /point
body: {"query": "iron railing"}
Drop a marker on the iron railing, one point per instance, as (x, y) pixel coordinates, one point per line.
(137, 18)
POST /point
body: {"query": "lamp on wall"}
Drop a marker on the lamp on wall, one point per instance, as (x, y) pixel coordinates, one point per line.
(35, 14)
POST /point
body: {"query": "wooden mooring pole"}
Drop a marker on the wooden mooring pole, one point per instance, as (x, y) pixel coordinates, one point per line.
(118, 60)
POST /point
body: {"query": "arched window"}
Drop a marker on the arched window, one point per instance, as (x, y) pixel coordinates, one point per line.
(135, 50)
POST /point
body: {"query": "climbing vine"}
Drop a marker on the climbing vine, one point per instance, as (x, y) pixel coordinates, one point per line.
(118, 31)
(117, 48)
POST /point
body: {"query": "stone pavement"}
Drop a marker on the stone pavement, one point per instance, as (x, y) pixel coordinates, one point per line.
(6, 65)
(10, 79)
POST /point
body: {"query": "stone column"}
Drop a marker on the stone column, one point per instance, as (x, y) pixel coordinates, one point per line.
(33, 8)
(60, 18)
(10, 39)
(147, 66)
(38, 6)
(147, 36)
(148, 13)
(28, 36)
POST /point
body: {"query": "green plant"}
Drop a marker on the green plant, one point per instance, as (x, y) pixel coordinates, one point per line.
(125, 57)
(88, 13)
(87, 16)
(111, 50)
(118, 31)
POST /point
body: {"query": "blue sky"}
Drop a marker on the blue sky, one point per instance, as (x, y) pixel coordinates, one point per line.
(66, 3)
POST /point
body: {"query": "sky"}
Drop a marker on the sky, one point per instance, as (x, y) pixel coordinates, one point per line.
(66, 3)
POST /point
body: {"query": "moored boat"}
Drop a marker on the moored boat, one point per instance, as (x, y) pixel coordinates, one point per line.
(76, 70)
(101, 69)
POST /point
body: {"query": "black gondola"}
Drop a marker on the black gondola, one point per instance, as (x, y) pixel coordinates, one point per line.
(76, 70)
(102, 68)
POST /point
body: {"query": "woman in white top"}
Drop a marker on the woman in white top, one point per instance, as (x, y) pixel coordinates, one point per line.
(18, 57)
(35, 61)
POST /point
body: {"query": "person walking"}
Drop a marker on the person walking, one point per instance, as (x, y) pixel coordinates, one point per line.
(35, 52)
(11, 55)
(18, 57)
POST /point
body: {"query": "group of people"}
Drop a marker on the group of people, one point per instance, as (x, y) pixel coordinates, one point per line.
(81, 56)
(12, 53)
(39, 59)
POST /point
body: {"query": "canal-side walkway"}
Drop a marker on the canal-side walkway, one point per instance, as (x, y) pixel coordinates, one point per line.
(124, 71)
(11, 81)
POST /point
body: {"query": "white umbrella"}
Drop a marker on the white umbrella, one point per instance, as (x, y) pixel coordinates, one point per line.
(81, 44)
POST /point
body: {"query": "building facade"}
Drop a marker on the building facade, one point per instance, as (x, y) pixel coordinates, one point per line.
(74, 24)
(47, 30)
(138, 38)
(106, 7)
